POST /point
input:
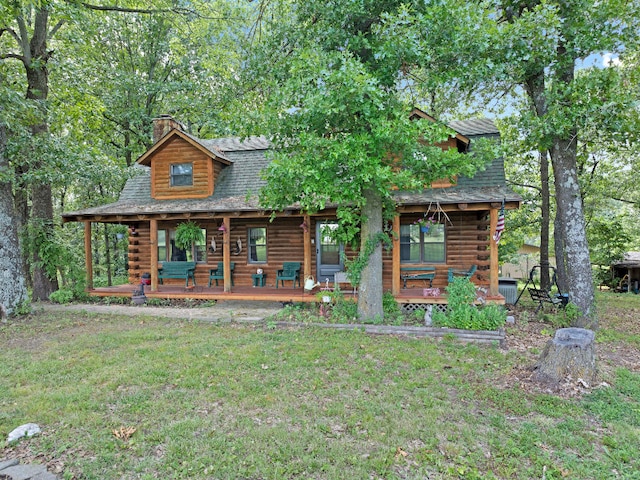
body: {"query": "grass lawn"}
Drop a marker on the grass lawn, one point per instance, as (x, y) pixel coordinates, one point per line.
(236, 401)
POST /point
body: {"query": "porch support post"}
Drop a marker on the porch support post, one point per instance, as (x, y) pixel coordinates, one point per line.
(153, 240)
(88, 257)
(226, 253)
(307, 246)
(493, 253)
(395, 257)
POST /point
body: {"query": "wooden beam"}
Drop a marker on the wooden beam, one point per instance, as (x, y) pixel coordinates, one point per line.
(306, 220)
(493, 253)
(88, 258)
(153, 245)
(395, 257)
(226, 253)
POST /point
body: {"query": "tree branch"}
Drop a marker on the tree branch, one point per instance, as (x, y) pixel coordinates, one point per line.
(114, 8)
(4, 56)
(524, 185)
(23, 41)
(144, 11)
(56, 28)
(151, 11)
(11, 32)
(125, 127)
(625, 201)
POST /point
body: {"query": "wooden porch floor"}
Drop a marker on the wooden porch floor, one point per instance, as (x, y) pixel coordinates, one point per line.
(270, 294)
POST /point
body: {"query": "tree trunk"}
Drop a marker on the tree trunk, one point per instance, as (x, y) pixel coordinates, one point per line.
(569, 212)
(21, 207)
(561, 264)
(370, 292)
(571, 217)
(13, 285)
(535, 88)
(545, 280)
(42, 219)
(569, 204)
(35, 63)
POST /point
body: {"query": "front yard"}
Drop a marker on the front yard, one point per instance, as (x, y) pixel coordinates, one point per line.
(250, 401)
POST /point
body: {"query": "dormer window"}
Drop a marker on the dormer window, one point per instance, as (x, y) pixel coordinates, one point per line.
(181, 174)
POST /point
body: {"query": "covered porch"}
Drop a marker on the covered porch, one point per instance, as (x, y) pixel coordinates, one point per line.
(296, 244)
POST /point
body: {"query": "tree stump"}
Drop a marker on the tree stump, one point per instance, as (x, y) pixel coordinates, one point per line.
(570, 353)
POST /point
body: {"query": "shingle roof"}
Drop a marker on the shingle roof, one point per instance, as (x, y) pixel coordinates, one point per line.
(474, 126)
(237, 187)
(236, 144)
(630, 260)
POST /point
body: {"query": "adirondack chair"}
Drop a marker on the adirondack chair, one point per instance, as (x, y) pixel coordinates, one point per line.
(289, 271)
(218, 273)
(461, 273)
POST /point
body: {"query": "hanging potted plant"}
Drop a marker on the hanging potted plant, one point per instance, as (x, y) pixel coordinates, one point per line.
(188, 233)
(425, 223)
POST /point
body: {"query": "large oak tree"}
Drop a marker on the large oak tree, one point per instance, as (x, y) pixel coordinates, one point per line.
(341, 131)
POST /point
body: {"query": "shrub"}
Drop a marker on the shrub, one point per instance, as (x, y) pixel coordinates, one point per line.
(462, 312)
(342, 310)
(391, 309)
(64, 295)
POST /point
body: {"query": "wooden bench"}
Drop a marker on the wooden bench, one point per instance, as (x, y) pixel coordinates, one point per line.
(417, 273)
(218, 273)
(184, 270)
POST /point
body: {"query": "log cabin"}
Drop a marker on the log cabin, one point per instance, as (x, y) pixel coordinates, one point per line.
(216, 182)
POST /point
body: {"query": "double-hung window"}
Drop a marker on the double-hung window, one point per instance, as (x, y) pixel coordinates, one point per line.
(257, 244)
(181, 174)
(417, 246)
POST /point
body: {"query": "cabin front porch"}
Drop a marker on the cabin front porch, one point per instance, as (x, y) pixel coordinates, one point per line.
(267, 293)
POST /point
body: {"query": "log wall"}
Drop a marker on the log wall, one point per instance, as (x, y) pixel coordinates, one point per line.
(467, 244)
(284, 244)
(180, 151)
(139, 254)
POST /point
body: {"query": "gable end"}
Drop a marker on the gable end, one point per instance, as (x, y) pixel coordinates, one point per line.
(179, 152)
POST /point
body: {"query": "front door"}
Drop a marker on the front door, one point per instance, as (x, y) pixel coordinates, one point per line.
(328, 251)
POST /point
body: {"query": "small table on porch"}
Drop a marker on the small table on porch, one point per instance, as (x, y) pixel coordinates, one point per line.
(259, 279)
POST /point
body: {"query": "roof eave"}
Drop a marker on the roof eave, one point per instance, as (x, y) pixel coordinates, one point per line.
(145, 158)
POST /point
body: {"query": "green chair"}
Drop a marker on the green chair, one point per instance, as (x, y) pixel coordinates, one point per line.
(462, 273)
(289, 271)
(218, 273)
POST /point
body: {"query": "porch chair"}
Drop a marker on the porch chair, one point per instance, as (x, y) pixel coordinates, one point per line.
(289, 271)
(461, 273)
(218, 273)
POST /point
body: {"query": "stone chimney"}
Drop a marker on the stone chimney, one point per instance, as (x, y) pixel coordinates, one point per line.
(162, 125)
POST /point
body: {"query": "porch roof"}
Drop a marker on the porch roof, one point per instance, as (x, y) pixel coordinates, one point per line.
(138, 201)
(630, 260)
